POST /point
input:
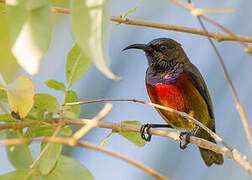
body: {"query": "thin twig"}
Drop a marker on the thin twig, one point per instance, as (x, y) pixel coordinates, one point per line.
(93, 123)
(87, 145)
(217, 36)
(190, 8)
(182, 114)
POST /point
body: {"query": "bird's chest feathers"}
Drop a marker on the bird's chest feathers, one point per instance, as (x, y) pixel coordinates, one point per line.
(174, 92)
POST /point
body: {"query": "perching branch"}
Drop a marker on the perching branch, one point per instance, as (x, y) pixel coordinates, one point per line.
(119, 127)
(182, 114)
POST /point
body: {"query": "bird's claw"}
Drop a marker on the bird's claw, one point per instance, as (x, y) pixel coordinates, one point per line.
(145, 127)
(187, 139)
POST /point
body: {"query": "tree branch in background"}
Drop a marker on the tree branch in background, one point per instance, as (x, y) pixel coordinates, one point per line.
(217, 36)
(191, 8)
(238, 103)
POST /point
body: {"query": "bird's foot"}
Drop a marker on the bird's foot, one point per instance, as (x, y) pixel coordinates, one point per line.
(187, 139)
(146, 127)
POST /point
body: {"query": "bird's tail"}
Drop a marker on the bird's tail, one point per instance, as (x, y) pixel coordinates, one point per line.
(211, 157)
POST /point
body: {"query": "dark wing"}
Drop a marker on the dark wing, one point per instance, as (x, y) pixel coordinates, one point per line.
(196, 78)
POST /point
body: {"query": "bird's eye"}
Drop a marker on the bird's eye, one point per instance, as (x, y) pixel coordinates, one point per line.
(163, 47)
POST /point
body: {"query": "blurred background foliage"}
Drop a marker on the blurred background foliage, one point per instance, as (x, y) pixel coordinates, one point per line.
(161, 154)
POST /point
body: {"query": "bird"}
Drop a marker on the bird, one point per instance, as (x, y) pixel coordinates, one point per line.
(173, 81)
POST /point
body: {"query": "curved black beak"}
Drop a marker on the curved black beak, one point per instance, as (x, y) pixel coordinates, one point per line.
(138, 46)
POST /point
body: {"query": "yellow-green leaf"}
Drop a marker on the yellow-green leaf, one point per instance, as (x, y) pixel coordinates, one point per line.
(21, 96)
(66, 131)
(38, 130)
(7, 118)
(3, 95)
(133, 137)
(55, 85)
(76, 66)
(30, 25)
(69, 168)
(8, 64)
(19, 174)
(90, 26)
(73, 110)
(44, 103)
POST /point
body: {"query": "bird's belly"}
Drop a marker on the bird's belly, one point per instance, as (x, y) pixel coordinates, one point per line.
(182, 96)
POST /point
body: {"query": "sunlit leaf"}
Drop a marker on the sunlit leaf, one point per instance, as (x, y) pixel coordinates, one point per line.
(20, 96)
(19, 174)
(17, 154)
(90, 26)
(73, 110)
(30, 26)
(8, 64)
(133, 137)
(49, 159)
(44, 103)
(55, 85)
(76, 66)
(69, 168)
(7, 118)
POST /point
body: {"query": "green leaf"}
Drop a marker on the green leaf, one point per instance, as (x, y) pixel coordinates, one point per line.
(76, 66)
(30, 25)
(133, 137)
(17, 154)
(19, 174)
(44, 103)
(8, 64)
(49, 159)
(90, 26)
(73, 110)
(7, 118)
(69, 168)
(38, 130)
(21, 96)
(3, 95)
(66, 131)
(56, 85)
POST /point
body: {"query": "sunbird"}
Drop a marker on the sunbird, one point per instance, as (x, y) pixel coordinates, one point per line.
(173, 81)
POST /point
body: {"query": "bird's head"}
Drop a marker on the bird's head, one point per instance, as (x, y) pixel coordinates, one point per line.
(162, 53)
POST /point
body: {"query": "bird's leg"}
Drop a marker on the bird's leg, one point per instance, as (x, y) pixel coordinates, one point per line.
(146, 127)
(187, 139)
